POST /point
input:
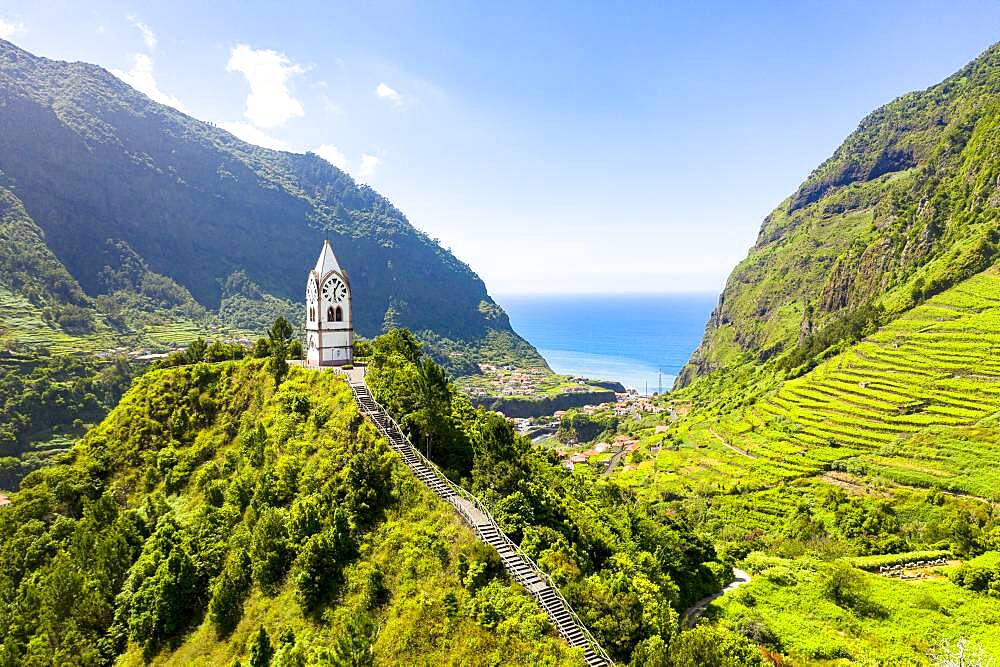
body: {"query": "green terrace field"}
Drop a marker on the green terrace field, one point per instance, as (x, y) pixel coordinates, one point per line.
(916, 403)
(21, 325)
(871, 458)
(912, 403)
(913, 409)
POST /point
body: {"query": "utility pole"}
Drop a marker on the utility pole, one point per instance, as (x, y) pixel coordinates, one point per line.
(660, 386)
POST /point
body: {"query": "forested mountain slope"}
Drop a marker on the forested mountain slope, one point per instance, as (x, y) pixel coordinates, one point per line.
(904, 208)
(211, 504)
(119, 195)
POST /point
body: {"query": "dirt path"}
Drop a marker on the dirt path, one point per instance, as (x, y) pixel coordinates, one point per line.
(692, 614)
(732, 446)
(845, 482)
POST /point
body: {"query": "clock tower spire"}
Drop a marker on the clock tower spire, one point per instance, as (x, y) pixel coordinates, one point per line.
(329, 322)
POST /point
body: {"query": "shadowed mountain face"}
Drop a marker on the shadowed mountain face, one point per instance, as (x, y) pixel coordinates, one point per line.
(104, 171)
(906, 207)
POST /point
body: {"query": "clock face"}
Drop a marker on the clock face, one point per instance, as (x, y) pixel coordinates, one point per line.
(335, 290)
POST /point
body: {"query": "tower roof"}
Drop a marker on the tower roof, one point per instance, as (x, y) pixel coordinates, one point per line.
(327, 261)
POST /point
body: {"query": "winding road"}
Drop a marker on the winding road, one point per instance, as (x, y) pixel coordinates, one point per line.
(692, 614)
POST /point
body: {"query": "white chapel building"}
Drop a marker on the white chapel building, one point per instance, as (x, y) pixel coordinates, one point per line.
(329, 325)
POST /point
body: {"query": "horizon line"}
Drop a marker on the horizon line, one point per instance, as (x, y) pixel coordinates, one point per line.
(606, 294)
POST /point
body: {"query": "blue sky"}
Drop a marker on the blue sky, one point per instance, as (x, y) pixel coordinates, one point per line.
(576, 147)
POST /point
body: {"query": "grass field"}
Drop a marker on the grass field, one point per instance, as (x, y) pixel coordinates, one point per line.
(900, 622)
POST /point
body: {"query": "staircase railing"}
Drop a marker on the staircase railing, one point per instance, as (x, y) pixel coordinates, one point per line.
(474, 501)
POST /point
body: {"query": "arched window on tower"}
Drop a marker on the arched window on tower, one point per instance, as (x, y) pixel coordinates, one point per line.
(340, 314)
(312, 314)
(330, 314)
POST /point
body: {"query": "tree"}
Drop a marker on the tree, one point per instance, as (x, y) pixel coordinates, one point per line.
(353, 645)
(261, 349)
(260, 649)
(318, 567)
(229, 591)
(269, 549)
(196, 350)
(847, 587)
(280, 332)
(277, 364)
(650, 652)
(164, 589)
(962, 654)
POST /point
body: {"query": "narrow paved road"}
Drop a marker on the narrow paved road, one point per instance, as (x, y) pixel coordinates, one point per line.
(613, 461)
(692, 614)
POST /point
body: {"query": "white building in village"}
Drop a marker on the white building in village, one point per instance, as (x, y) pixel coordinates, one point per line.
(329, 324)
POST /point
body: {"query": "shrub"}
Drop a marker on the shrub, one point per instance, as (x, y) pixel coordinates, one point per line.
(710, 646)
(318, 567)
(754, 628)
(847, 588)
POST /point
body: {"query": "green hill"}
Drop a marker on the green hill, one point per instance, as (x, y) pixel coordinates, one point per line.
(133, 220)
(906, 207)
(209, 504)
(218, 499)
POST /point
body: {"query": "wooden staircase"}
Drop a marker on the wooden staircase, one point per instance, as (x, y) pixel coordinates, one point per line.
(521, 568)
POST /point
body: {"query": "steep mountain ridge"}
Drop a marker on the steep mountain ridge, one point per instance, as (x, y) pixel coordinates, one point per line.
(905, 207)
(98, 165)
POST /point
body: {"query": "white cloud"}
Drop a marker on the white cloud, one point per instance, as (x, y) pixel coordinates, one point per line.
(148, 36)
(387, 93)
(252, 135)
(369, 163)
(9, 28)
(270, 103)
(333, 155)
(141, 78)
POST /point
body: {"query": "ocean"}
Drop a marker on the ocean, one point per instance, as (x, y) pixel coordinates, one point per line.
(640, 340)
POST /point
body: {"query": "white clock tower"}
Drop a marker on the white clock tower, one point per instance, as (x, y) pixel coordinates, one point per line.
(329, 327)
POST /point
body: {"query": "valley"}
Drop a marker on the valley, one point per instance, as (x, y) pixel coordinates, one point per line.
(217, 449)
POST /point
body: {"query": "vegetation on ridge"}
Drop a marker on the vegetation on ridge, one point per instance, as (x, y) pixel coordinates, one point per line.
(906, 207)
(212, 503)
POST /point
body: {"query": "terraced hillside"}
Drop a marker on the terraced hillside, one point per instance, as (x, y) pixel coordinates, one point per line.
(912, 402)
(915, 404)
(886, 451)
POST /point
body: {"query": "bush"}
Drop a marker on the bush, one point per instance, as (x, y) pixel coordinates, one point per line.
(710, 646)
(847, 588)
(318, 567)
(754, 628)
